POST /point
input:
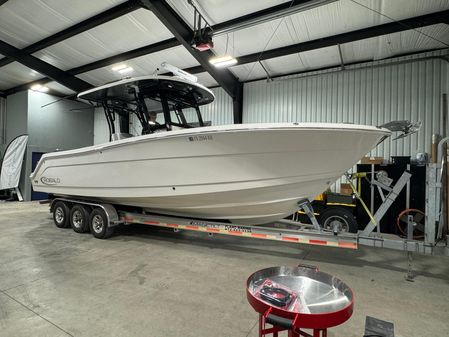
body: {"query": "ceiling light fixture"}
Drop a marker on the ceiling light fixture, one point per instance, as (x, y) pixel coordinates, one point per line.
(119, 67)
(125, 70)
(226, 60)
(223, 61)
(39, 87)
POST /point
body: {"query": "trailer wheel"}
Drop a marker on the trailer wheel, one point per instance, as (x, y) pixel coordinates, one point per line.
(61, 213)
(338, 220)
(98, 222)
(79, 218)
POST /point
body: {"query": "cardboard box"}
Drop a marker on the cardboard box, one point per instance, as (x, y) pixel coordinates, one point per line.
(346, 189)
(372, 160)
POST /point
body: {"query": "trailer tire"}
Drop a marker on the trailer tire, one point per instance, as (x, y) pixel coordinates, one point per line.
(98, 223)
(345, 219)
(61, 214)
(79, 218)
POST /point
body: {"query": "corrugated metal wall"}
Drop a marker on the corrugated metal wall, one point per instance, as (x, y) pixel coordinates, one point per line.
(220, 111)
(363, 94)
(2, 120)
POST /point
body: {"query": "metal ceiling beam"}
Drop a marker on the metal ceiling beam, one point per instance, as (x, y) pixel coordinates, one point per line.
(170, 43)
(416, 22)
(2, 2)
(336, 68)
(44, 68)
(361, 34)
(182, 32)
(132, 5)
(152, 48)
(267, 14)
(80, 27)
(149, 49)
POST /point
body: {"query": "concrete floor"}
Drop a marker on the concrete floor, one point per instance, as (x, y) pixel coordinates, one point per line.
(150, 282)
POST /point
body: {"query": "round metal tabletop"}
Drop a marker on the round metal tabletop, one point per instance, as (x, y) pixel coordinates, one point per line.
(306, 296)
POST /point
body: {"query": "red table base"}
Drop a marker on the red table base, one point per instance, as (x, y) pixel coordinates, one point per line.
(293, 332)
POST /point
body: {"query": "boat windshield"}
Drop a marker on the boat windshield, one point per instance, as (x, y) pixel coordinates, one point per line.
(181, 116)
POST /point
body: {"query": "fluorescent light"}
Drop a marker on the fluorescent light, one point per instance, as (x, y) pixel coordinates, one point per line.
(223, 61)
(119, 67)
(125, 70)
(39, 87)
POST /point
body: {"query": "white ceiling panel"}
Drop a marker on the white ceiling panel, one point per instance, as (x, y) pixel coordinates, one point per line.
(335, 18)
(248, 71)
(253, 39)
(59, 88)
(395, 44)
(128, 32)
(15, 74)
(347, 13)
(206, 79)
(144, 65)
(217, 11)
(23, 22)
(401, 9)
(309, 60)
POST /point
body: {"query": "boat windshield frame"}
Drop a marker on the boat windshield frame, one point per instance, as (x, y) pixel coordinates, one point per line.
(169, 95)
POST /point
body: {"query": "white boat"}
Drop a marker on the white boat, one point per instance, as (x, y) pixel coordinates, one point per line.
(247, 173)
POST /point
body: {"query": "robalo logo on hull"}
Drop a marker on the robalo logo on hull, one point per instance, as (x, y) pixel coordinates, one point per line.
(50, 181)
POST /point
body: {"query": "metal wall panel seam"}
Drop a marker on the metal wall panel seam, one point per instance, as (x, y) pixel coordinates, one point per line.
(2, 120)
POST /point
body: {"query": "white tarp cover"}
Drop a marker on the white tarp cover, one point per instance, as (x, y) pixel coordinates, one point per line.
(12, 163)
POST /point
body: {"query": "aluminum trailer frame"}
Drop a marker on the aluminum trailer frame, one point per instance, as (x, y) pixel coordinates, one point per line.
(304, 234)
(311, 237)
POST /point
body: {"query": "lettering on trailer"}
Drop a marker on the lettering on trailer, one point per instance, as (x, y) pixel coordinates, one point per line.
(200, 138)
(50, 181)
(199, 223)
(232, 228)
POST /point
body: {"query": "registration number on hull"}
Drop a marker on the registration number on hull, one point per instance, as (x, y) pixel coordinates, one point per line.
(200, 138)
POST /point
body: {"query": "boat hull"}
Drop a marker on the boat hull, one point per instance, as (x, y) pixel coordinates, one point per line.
(249, 174)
